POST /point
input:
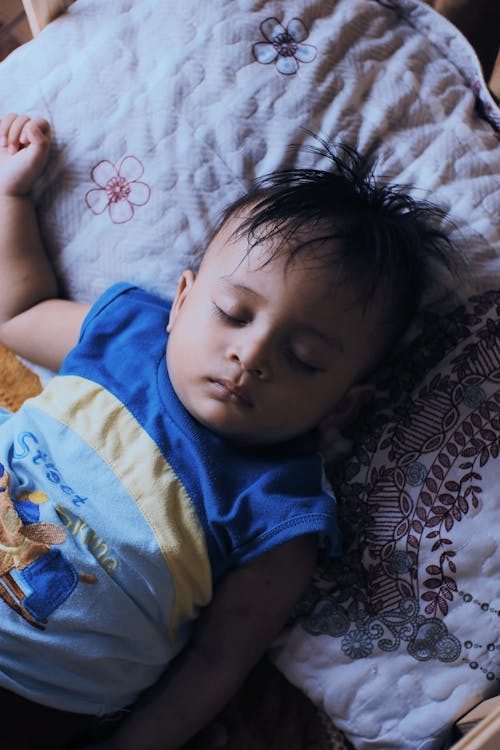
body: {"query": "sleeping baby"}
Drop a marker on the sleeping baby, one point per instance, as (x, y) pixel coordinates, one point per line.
(163, 500)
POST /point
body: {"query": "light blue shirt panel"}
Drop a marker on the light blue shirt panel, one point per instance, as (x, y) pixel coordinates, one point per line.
(127, 645)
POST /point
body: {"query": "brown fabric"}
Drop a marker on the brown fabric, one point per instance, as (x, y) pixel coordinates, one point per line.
(17, 382)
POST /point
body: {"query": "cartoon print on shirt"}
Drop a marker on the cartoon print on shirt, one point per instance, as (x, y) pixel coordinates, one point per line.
(26, 547)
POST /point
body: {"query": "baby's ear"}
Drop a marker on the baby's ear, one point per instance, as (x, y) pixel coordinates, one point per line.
(183, 288)
(349, 406)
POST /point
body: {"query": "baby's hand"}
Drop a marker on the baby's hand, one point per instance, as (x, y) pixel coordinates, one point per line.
(24, 150)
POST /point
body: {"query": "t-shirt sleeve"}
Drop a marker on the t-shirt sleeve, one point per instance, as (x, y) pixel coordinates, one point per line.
(281, 503)
(109, 296)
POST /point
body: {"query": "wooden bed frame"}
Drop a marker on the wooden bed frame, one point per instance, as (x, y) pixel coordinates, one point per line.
(41, 12)
(482, 724)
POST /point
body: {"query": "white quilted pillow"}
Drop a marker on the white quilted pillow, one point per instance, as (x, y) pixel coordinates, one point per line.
(162, 112)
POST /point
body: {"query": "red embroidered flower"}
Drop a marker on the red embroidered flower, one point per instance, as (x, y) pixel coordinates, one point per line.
(284, 47)
(119, 190)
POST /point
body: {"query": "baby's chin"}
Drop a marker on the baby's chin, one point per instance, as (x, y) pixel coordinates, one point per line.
(264, 435)
(216, 418)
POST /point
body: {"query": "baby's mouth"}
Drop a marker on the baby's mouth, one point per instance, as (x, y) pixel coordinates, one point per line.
(233, 393)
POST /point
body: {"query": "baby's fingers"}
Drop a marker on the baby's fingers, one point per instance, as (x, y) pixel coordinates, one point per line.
(25, 145)
(10, 131)
(5, 124)
(35, 131)
(20, 130)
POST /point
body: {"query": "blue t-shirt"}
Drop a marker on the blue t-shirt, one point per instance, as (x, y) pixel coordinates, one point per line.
(120, 512)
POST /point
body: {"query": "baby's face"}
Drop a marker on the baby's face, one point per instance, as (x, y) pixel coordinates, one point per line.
(261, 354)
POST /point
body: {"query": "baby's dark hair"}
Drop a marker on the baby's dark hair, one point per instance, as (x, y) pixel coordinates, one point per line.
(377, 234)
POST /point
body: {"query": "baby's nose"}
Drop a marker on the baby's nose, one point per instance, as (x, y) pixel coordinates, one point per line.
(253, 354)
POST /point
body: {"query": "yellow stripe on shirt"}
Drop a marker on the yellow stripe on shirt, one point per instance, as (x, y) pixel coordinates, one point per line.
(112, 431)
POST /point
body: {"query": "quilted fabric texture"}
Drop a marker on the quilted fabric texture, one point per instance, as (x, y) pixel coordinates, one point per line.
(411, 617)
(162, 112)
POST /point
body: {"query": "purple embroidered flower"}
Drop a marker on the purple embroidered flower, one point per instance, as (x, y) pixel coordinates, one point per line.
(119, 190)
(357, 644)
(284, 47)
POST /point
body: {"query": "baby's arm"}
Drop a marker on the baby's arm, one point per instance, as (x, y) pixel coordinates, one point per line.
(250, 606)
(33, 321)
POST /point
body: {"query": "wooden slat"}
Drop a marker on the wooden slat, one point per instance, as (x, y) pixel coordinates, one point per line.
(484, 736)
(41, 12)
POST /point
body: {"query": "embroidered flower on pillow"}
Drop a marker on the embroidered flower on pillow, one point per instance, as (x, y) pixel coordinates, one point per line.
(118, 189)
(284, 46)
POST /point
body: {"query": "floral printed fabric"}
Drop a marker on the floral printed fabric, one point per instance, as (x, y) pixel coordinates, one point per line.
(414, 601)
(118, 189)
(284, 46)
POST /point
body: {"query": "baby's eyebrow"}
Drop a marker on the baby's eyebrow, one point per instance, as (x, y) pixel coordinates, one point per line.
(227, 281)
